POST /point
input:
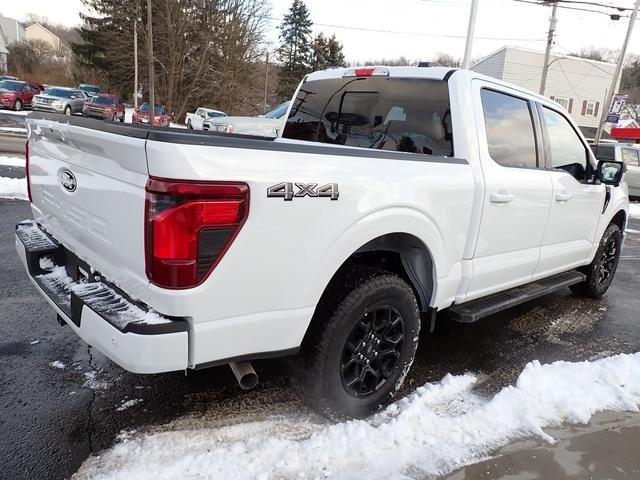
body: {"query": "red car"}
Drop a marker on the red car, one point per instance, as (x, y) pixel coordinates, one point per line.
(105, 107)
(160, 119)
(16, 95)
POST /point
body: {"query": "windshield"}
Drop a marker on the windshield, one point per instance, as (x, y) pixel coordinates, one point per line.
(216, 114)
(58, 92)
(103, 100)
(145, 108)
(89, 88)
(11, 85)
(278, 112)
(398, 114)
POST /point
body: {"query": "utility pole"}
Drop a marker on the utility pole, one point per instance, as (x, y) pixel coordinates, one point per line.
(616, 75)
(135, 62)
(266, 82)
(152, 99)
(470, 31)
(552, 30)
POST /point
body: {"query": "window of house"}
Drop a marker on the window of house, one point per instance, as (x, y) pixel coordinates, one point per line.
(590, 108)
(509, 126)
(568, 153)
(563, 102)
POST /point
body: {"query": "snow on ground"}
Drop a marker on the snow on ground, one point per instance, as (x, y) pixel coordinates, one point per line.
(13, 188)
(92, 382)
(13, 130)
(58, 364)
(12, 161)
(634, 210)
(11, 112)
(128, 403)
(438, 428)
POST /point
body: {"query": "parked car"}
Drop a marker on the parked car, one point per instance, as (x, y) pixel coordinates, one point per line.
(90, 89)
(266, 125)
(104, 106)
(59, 100)
(623, 152)
(195, 120)
(160, 119)
(16, 95)
(422, 189)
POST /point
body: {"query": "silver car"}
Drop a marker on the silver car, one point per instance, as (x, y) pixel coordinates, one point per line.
(628, 153)
(59, 100)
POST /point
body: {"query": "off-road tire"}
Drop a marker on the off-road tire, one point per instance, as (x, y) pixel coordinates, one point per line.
(360, 295)
(594, 286)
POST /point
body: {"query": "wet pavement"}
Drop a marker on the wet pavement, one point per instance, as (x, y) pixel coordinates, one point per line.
(52, 418)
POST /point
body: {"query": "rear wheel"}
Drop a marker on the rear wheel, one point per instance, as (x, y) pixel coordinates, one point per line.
(356, 360)
(17, 105)
(601, 270)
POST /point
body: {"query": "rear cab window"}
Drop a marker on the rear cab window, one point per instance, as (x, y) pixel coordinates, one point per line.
(397, 114)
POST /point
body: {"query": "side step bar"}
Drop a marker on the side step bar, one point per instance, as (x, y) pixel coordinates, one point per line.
(474, 310)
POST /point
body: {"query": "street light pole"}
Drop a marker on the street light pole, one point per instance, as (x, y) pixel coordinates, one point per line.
(135, 63)
(470, 31)
(152, 99)
(552, 30)
(616, 75)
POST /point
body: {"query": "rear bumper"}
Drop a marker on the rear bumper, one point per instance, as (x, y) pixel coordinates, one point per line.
(98, 312)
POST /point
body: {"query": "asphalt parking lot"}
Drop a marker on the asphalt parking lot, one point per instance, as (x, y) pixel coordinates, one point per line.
(62, 401)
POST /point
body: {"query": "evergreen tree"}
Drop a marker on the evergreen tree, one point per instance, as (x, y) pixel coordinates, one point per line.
(295, 49)
(327, 52)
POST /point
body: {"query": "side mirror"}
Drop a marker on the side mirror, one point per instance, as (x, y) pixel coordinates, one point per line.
(610, 172)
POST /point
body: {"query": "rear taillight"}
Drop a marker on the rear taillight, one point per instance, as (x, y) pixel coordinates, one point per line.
(189, 227)
(26, 169)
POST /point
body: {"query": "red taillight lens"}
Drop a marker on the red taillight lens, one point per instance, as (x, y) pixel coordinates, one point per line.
(189, 227)
(26, 169)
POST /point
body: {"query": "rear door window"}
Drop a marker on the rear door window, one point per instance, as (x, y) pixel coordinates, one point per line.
(396, 114)
(509, 126)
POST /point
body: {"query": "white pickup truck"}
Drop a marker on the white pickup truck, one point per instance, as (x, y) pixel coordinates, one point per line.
(394, 193)
(196, 120)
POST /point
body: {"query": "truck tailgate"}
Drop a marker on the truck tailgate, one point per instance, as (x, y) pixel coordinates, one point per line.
(88, 191)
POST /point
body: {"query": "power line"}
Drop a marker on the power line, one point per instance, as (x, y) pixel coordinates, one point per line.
(580, 9)
(417, 34)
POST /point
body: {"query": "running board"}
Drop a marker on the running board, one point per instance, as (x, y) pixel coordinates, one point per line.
(476, 309)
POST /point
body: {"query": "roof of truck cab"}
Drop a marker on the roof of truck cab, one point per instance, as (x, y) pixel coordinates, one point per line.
(437, 73)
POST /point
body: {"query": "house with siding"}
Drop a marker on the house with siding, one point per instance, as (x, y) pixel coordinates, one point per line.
(578, 84)
(13, 30)
(38, 32)
(4, 52)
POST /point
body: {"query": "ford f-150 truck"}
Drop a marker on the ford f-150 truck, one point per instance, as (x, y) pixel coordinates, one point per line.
(392, 194)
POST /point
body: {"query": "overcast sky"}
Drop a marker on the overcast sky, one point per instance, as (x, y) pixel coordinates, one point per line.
(367, 28)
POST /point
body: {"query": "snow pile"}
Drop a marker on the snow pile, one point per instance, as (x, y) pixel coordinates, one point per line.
(92, 382)
(12, 161)
(634, 210)
(439, 428)
(13, 188)
(58, 364)
(128, 403)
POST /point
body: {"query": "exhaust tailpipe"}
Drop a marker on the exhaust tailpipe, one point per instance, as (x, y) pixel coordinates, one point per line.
(245, 374)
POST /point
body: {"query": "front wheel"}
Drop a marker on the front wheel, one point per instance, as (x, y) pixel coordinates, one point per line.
(601, 270)
(359, 358)
(189, 126)
(17, 105)
(67, 111)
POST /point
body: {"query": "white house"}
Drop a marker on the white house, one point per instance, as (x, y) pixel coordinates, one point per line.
(38, 32)
(578, 84)
(14, 31)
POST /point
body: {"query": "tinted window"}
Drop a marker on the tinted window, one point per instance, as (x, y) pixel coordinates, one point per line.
(604, 152)
(407, 115)
(159, 110)
(10, 85)
(510, 135)
(104, 100)
(216, 114)
(58, 92)
(630, 156)
(567, 151)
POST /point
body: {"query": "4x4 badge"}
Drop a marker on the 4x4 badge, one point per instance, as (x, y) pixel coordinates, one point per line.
(285, 190)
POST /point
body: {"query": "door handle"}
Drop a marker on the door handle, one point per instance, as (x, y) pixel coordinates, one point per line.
(563, 197)
(501, 197)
